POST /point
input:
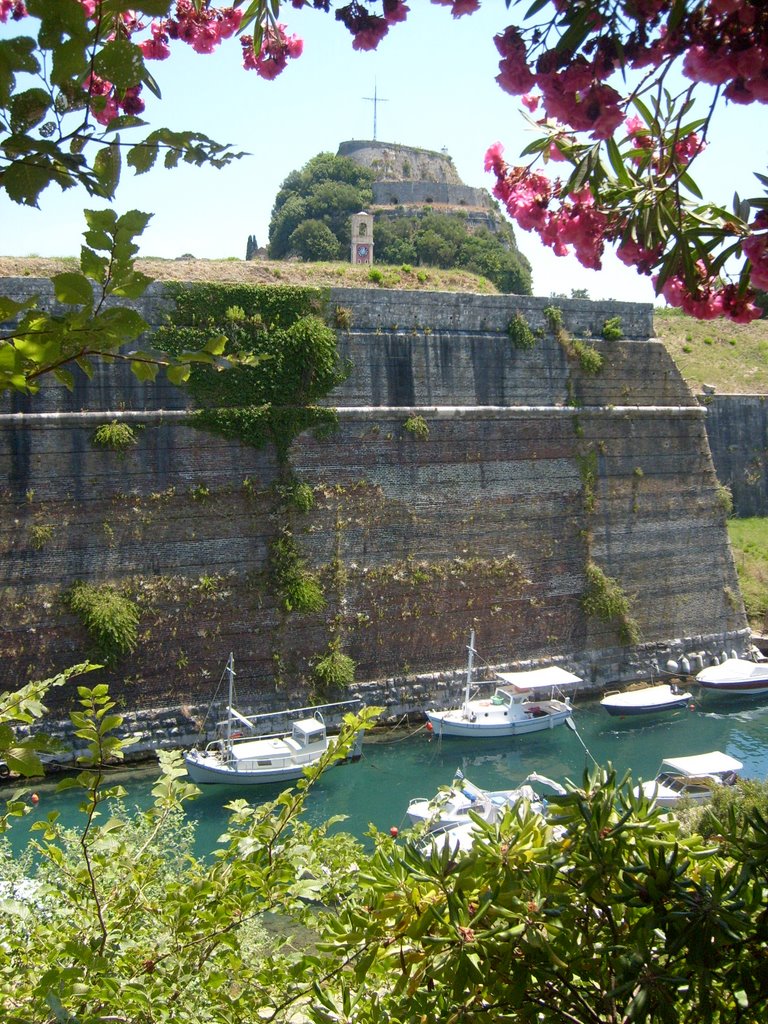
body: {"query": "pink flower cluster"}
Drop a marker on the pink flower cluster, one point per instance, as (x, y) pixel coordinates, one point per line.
(755, 248)
(460, 7)
(728, 45)
(201, 29)
(369, 29)
(708, 301)
(13, 9)
(129, 102)
(276, 47)
(577, 222)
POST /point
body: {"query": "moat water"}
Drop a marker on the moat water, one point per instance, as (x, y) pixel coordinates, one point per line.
(397, 766)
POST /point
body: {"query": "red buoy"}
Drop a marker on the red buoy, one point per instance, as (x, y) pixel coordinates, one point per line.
(429, 727)
(394, 832)
(35, 798)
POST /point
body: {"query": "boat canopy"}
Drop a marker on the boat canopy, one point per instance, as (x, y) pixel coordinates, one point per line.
(713, 763)
(310, 728)
(539, 678)
(734, 670)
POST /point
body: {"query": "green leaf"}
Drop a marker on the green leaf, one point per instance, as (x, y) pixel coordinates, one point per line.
(120, 62)
(144, 371)
(28, 108)
(142, 157)
(73, 289)
(24, 181)
(106, 167)
(16, 55)
(178, 373)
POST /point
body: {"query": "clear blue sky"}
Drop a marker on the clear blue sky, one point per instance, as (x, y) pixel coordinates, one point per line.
(435, 77)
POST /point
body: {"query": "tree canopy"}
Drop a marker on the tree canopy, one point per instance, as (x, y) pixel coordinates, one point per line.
(326, 191)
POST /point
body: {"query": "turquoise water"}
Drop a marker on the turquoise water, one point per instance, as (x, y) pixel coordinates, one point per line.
(398, 767)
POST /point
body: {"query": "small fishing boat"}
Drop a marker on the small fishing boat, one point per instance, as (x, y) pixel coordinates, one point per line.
(646, 700)
(236, 759)
(691, 778)
(452, 806)
(526, 703)
(735, 675)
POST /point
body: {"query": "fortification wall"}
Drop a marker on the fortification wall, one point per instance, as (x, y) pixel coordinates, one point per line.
(392, 162)
(737, 427)
(391, 193)
(530, 471)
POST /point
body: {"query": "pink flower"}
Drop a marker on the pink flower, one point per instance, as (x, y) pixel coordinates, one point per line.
(530, 102)
(633, 254)
(395, 11)
(276, 48)
(494, 158)
(13, 9)
(739, 307)
(157, 47)
(460, 7)
(689, 147)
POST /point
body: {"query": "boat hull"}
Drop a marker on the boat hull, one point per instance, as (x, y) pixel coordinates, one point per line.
(745, 689)
(203, 770)
(452, 723)
(650, 709)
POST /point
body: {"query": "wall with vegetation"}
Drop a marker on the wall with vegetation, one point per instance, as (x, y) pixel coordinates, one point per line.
(496, 463)
(737, 427)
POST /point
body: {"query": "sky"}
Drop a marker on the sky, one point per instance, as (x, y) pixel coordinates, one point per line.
(435, 79)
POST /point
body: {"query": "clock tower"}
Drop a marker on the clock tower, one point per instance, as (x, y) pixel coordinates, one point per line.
(362, 237)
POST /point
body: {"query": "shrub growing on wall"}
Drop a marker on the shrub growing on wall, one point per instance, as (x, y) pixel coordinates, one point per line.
(110, 619)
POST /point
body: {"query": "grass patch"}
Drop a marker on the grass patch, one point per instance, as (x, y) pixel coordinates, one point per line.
(731, 357)
(749, 541)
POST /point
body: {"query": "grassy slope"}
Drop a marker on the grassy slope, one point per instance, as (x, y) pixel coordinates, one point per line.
(731, 357)
(263, 272)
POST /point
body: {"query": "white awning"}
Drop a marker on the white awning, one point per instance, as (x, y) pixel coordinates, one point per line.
(539, 678)
(713, 763)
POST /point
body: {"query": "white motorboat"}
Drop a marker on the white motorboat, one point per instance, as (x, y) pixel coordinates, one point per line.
(237, 759)
(735, 675)
(646, 700)
(691, 778)
(526, 703)
(452, 806)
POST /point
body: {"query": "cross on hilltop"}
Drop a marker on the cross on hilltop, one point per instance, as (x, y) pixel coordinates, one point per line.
(375, 100)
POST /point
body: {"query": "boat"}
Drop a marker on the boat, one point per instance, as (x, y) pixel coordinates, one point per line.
(237, 759)
(646, 700)
(735, 675)
(453, 806)
(526, 703)
(691, 778)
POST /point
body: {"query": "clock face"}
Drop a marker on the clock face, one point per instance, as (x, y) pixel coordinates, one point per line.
(362, 252)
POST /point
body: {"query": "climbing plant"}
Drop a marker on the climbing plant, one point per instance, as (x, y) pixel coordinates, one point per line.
(110, 618)
(284, 360)
(604, 599)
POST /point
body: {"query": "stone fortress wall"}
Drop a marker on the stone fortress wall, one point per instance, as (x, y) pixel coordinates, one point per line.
(529, 471)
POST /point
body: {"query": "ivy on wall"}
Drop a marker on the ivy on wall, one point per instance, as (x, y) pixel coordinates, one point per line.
(283, 356)
(283, 361)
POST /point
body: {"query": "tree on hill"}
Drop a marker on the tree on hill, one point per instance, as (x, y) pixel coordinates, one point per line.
(327, 190)
(428, 238)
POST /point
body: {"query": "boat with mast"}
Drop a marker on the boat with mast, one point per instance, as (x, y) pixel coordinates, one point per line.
(525, 703)
(234, 758)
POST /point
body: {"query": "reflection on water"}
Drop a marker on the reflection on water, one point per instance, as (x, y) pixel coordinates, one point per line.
(396, 768)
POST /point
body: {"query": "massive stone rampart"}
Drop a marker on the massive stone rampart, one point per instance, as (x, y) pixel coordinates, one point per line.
(471, 484)
(737, 427)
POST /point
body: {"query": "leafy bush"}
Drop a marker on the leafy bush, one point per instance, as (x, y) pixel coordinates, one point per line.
(40, 534)
(117, 436)
(335, 671)
(612, 330)
(604, 599)
(520, 333)
(417, 426)
(298, 589)
(110, 619)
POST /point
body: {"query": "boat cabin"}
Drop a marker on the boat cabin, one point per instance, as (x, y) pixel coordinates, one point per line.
(307, 731)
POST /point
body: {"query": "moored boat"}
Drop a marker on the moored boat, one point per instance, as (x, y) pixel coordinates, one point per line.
(692, 778)
(454, 805)
(646, 700)
(735, 675)
(236, 759)
(525, 703)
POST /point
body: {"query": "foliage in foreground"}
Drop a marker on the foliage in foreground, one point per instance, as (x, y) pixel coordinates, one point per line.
(606, 913)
